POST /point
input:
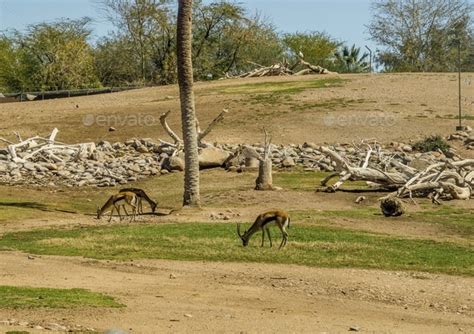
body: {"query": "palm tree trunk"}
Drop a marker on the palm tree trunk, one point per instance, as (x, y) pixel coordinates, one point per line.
(186, 96)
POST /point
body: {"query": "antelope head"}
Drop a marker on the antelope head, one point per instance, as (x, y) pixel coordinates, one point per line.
(242, 237)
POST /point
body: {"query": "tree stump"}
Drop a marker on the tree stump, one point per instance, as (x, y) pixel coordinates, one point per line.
(392, 207)
(264, 180)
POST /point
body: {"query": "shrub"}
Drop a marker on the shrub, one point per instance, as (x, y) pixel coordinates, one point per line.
(432, 143)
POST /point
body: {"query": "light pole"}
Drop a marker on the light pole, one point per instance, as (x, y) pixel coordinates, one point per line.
(370, 58)
(459, 127)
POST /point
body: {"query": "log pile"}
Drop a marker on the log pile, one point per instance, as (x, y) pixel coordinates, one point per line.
(444, 178)
(395, 167)
(282, 69)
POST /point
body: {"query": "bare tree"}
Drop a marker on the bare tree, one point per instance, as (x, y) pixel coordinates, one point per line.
(186, 95)
(418, 35)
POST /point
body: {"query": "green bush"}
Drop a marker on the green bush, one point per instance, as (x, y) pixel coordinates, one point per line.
(432, 143)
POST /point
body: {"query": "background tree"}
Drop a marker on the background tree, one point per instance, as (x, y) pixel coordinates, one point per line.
(50, 56)
(317, 48)
(349, 60)
(226, 38)
(186, 95)
(115, 61)
(418, 35)
(13, 75)
(148, 26)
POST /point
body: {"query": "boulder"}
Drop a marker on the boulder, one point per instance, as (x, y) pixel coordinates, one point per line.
(288, 162)
(210, 157)
(173, 163)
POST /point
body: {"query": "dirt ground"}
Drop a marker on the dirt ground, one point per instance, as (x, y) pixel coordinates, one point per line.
(177, 296)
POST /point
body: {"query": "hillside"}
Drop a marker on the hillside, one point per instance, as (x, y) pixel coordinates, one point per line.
(335, 108)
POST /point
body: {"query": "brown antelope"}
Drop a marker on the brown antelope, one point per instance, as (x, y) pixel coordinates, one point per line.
(118, 200)
(277, 217)
(141, 195)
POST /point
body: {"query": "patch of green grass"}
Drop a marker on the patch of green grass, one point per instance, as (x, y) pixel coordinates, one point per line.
(26, 297)
(454, 220)
(309, 245)
(331, 104)
(298, 180)
(282, 87)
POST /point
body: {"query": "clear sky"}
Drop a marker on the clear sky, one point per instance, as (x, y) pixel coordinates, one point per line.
(344, 20)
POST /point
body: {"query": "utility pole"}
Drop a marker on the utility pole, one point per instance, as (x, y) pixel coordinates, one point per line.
(460, 127)
(370, 58)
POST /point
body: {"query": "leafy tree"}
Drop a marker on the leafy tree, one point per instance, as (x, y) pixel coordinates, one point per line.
(317, 48)
(13, 76)
(149, 27)
(349, 60)
(116, 63)
(226, 39)
(48, 57)
(418, 35)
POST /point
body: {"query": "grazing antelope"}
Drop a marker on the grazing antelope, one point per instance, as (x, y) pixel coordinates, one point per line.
(141, 195)
(277, 217)
(118, 200)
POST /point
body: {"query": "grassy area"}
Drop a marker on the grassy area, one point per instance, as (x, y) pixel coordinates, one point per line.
(309, 245)
(282, 87)
(20, 203)
(25, 297)
(453, 220)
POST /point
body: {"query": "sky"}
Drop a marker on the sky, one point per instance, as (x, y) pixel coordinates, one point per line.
(344, 20)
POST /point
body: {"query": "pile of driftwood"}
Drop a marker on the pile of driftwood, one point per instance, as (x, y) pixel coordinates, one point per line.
(282, 68)
(46, 149)
(397, 172)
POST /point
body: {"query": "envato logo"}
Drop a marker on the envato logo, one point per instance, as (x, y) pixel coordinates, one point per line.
(370, 119)
(119, 120)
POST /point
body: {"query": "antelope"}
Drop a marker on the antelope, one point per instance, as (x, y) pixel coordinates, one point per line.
(118, 200)
(278, 217)
(140, 193)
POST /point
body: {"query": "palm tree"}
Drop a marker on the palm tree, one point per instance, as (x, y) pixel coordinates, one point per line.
(186, 96)
(349, 60)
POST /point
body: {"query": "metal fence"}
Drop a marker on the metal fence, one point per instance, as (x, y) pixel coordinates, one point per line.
(58, 94)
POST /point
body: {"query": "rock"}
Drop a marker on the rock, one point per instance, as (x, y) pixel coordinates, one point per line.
(116, 331)
(354, 328)
(288, 162)
(407, 148)
(3, 168)
(360, 199)
(112, 129)
(142, 149)
(419, 163)
(55, 327)
(173, 163)
(210, 157)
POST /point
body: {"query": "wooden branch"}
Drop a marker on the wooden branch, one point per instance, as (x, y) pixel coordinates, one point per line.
(168, 130)
(211, 125)
(6, 141)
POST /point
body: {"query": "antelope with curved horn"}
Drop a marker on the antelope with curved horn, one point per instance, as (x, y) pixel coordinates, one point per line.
(263, 222)
(141, 195)
(118, 200)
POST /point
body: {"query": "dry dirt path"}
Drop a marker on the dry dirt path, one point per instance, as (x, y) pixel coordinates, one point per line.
(171, 297)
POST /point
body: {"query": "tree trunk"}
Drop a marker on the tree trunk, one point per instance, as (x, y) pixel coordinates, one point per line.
(186, 95)
(264, 180)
